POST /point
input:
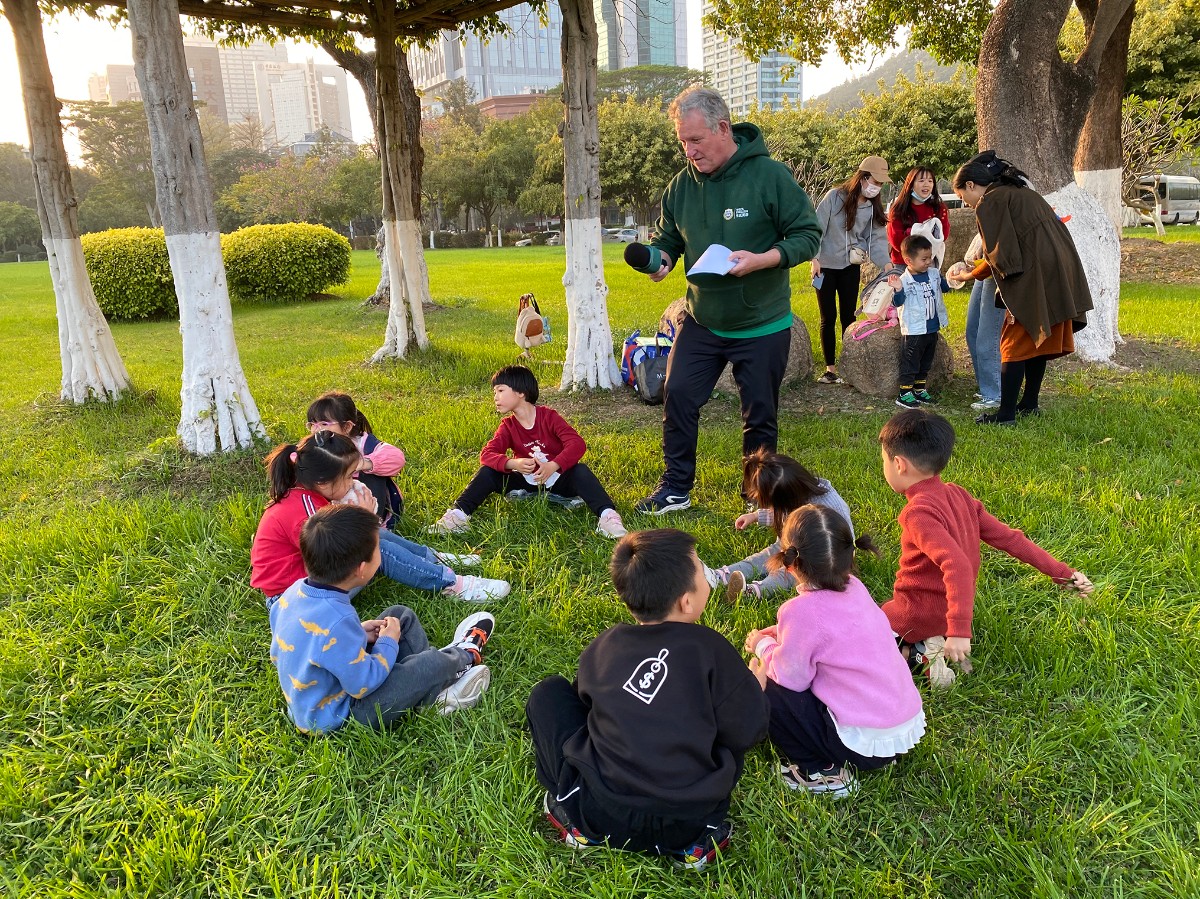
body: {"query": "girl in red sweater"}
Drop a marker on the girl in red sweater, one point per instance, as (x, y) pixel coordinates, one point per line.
(918, 201)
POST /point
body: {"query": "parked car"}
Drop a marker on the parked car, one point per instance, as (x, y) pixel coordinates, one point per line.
(541, 238)
(628, 235)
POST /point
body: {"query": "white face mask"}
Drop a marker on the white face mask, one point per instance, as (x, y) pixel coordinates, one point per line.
(870, 190)
(920, 198)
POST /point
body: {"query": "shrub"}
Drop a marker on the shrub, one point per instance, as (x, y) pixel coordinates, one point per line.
(442, 240)
(470, 240)
(283, 263)
(130, 273)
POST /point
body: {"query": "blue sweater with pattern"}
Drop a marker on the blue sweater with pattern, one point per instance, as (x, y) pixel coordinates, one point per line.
(321, 654)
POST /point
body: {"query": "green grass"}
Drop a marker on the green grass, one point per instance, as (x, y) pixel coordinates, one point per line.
(1175, 233)
(145, 752)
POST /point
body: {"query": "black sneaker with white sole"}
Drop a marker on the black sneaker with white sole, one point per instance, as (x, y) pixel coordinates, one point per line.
(664, 499)
(711, 844)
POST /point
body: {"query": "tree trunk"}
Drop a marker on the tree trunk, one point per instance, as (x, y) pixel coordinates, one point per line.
(218, 412)
(589, 358)
(1031, 108)
(91, 365)
(398, 130)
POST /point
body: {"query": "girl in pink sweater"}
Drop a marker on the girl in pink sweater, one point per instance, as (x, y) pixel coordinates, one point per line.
(841, 696)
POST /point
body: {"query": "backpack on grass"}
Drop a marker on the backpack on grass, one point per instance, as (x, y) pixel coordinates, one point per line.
(533, 328)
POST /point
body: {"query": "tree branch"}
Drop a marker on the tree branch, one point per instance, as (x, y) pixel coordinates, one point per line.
(1106, 16)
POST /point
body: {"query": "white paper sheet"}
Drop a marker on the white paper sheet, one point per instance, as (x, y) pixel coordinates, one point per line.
(713, 261)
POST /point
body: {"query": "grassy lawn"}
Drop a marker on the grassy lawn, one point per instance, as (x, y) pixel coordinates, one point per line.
(1175, 233)
(145, 751)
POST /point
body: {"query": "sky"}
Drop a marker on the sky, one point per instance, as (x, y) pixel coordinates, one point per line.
(79, 46)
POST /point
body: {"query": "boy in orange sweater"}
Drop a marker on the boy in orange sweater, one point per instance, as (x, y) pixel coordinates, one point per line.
(941, 528)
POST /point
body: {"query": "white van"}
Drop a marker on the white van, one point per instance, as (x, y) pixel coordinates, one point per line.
(1178, 195)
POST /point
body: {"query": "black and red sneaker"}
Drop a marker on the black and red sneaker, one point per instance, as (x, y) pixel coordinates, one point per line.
(713, 843)
(567, 832)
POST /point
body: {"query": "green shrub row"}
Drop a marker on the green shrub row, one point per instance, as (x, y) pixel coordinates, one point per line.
(131, 273)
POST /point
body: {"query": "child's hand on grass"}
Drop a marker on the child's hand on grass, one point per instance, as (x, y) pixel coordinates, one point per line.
(391, 628)
(957, 648)
(1080, 584)
(745, 520)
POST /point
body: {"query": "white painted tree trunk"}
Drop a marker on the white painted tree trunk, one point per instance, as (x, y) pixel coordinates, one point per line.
(1099, 246)
(91, 365)
(217, 410)
(408, 283)
(589, 355)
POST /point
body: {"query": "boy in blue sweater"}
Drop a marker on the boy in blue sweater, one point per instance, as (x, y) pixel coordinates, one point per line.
(333, 667)
(922, 313)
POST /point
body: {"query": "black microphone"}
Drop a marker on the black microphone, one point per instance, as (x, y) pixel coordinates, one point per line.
(643, 258)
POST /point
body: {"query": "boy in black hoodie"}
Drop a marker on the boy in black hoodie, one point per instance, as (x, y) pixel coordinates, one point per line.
(643, 750)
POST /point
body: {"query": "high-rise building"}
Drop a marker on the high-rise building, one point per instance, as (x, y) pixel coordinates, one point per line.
(526, 61)
(296, 99)
(641, 33)
(237, 72)
(743, 81)
(119, 83)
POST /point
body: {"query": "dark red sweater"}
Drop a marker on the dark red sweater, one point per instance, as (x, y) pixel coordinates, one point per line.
(940, 531)
(275, 562)
(898, 230)
(550, 434)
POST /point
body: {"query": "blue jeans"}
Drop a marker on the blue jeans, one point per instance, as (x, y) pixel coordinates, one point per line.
(411, 563)
(984, 321)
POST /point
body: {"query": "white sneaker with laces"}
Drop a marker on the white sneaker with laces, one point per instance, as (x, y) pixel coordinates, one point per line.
(610, 525)
(459, 560)
(479, 589)
(464, 692)
(454, 521)
(981, 404)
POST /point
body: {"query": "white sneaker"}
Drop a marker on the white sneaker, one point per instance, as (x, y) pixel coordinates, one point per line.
(459, 560)
(939, 673)
(610, 525)
(455, 521)
(982, 404)
(464, 692)
(484, 621)
(479, 589)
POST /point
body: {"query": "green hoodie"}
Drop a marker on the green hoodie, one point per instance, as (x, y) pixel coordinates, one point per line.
(750, 203)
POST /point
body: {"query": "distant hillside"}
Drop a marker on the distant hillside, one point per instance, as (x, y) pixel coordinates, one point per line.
(845, 96)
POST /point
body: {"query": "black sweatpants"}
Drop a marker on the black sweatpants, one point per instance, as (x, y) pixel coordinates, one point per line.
(697, 359)
(916, 357)
(803, 731)
(837, 297)
(555, 714)
(577, 480)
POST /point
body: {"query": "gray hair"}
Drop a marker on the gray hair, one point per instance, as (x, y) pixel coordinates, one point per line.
(703, 100)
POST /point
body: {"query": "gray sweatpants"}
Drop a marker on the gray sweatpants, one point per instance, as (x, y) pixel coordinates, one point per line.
(755, 567)
(419, 675)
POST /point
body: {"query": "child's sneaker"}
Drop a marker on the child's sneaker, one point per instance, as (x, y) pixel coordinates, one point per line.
(735, 586)
(567, 832)
(459, 560)
(983, 405)
(473, 632)
(479, 589)
(454, 521)
(924, 397)
(464, 692)
(697, 856)
(933, 655)
(610, 525)
(908, 400)
(567, 502)
(833, 781)
(519, 494)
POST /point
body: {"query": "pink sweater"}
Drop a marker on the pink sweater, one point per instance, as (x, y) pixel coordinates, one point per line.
(840, 645)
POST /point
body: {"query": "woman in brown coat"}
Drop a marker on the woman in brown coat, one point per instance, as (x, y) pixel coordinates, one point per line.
(1039, 278)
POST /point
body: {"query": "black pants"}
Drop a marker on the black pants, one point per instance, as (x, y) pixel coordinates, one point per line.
(916, 357)
(577, 480)
(696, 362)
(555, 714)
(1029, 372)
(838, 293)
(803, 731)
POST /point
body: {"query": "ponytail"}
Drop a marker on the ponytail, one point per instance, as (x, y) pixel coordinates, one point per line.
(986, 169)
(318, 459)
(817, 545)
(281, 471)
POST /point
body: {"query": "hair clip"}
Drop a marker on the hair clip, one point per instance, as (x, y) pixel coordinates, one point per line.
(292, 457)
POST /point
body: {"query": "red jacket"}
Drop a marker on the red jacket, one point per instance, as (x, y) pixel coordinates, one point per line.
(275, 562)
(898, 230)
(550, 434)
(940, 531)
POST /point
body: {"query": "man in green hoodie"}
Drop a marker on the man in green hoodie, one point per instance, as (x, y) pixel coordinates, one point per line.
(733, 194)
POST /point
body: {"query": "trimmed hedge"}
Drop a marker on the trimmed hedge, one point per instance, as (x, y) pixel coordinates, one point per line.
(130, 273)
(282, 263)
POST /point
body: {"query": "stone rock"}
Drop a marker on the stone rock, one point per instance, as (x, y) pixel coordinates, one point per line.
(872, 365)
(800, 357)
(962, 231)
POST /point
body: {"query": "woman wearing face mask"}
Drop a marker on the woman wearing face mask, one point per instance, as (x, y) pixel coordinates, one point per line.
(918, 201)
(854, 229)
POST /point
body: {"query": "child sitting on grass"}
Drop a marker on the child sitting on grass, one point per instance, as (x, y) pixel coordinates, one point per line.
(333, 667)
(941, 527)
(533, 449)
(644, 749)
(841, 697)
(777, 484)
(311, 475)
